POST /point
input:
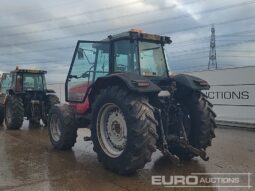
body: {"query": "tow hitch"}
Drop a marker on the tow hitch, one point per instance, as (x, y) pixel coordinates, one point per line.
(184, 142)
(181, 140)
(165, 150)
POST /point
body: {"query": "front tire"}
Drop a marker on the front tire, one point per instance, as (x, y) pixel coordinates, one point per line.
(62, 129)
(1, 114)
(14, 112)
(51, 100)
(123, 130)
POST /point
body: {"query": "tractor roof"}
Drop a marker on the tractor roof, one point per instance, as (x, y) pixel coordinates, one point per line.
(29, 71)
(140, 35)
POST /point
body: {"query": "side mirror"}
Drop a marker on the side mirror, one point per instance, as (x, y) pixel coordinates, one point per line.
(80, 54)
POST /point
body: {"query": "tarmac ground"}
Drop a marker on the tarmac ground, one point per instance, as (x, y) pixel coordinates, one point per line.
(29, 162)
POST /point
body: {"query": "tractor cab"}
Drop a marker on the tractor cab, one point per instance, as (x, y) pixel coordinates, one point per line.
(131, 52)
(25, 80)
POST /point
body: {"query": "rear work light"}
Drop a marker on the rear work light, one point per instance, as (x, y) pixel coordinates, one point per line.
(140, 83)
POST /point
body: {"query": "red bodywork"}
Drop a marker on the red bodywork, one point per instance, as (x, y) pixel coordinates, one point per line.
(78, 92)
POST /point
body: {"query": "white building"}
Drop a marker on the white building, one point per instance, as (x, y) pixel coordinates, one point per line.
(232, 93)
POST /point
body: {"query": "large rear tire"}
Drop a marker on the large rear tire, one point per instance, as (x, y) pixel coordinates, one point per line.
(202, 124)
(14, 112)
(62, 129)
(51, 100)
(1, 114)
(123, 130)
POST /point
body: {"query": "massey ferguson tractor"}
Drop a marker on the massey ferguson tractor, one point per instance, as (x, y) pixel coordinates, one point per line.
(23, 93)
(121, 89)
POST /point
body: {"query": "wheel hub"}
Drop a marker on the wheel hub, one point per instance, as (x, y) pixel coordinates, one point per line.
(55, 128)
(112, 130)
(8, 114)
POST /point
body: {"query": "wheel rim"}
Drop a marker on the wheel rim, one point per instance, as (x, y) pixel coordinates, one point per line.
(55, 128)
(111, 130)
(8, 113)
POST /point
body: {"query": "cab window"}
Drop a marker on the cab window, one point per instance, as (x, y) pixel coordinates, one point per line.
(33, 82)
(5, 83)
(125, 54)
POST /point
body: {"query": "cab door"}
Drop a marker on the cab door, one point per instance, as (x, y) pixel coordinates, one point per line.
(5, 85)
(90, 61)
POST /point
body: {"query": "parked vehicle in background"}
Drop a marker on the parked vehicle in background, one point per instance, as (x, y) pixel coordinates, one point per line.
(23, 93)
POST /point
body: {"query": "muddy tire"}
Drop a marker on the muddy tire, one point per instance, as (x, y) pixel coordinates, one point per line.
(51, 100)
(202, 124)
(123, 130)
(1, 114)
(62, 129)
(14, 112)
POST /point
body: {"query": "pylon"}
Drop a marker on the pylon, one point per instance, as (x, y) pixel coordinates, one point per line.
(212, 64)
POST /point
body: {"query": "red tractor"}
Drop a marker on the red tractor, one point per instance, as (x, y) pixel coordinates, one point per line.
(121, 89)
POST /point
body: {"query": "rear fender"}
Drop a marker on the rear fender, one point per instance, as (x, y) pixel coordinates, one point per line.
(187, 83)
(133, 82)
(191, 82)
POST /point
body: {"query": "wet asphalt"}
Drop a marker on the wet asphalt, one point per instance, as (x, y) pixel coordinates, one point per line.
(28, 162)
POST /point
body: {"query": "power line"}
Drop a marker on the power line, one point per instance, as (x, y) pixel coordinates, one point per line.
(38, 9)
(237, 56)
(204, 57)
(39, 50)
(175, 57)
(243, 51)
(73, 15)
(129, 26)
(219, 36)
(184, 59)
(72, 47)
(171, 61)
(198, 42)
(206, 25)
(219, 56)
(104, 20)
(200, 50)
(31, 62)
(88, 23)
(189, 67)
(136, 14)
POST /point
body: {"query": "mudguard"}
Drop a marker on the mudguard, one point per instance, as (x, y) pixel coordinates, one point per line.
(133, 82)
(191, 82)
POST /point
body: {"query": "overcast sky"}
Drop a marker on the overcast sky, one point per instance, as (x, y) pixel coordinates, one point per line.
(43, 34)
